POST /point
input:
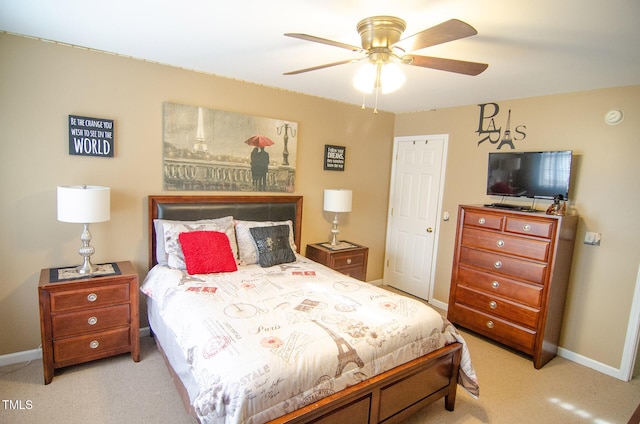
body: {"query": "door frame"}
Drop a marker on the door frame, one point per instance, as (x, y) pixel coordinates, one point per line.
(443, 173)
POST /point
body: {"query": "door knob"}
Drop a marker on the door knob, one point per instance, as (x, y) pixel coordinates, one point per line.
(429, 230)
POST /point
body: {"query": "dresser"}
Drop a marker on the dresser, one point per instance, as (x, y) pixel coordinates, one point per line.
(351, 261)
(510, 275)
(88, 318)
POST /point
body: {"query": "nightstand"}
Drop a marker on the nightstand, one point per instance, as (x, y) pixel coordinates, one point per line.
(88, 318)
(351, 260)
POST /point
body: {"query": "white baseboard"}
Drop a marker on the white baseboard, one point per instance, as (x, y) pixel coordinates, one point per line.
(36, 354)
(593, 364)
(19, 357)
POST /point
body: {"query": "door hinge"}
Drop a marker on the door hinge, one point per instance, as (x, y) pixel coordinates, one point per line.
(387, 262)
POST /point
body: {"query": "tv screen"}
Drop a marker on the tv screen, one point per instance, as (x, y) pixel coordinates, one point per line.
(541, 175)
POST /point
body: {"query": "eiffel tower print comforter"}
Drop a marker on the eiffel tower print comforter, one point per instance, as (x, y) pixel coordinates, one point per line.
(261, 342)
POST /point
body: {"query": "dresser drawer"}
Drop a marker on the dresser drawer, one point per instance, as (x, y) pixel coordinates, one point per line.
(494, 305)
(498, 329)
(529, 294)
(91, 320)
(344, 260)
(89, 297)
(484, 220)
(504, 265)
(529, 227)
(503, 243)
(91, 346)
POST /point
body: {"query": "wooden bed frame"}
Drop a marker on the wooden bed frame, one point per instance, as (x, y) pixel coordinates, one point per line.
(387, 398)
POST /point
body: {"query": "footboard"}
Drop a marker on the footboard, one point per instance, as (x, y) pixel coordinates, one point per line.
(389, 397)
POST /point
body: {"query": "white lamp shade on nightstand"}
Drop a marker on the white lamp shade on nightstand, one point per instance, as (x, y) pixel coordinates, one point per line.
(84, 204)
(337, 200)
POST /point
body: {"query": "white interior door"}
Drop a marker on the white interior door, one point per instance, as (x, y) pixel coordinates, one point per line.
(415, 200)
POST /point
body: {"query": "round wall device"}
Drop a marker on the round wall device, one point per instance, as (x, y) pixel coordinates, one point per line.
(614, 117)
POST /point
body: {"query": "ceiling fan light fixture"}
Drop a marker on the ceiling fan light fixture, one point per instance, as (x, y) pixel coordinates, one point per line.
(365, 79)
(387, 77)
(391, 78)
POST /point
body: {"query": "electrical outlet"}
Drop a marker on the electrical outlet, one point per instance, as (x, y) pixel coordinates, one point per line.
(592, 239)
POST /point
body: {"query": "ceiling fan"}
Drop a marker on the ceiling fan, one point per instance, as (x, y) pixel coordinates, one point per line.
(381, 44)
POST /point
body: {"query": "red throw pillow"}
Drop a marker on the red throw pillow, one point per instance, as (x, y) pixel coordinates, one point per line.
(207, 252)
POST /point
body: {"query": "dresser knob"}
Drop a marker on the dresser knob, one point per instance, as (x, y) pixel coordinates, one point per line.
(92, 297)
(495, 284)
(526, 227)
(490, 324)
(92, 321)
(493, 304)
(481, 221)
(349, 261)
(94, 344)
(500, 243)
(497, 264)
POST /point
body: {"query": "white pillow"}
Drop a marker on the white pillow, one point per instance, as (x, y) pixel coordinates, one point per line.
(247, 248)
(168, 250)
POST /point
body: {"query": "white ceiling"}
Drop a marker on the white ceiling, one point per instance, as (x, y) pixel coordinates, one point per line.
(533, 47)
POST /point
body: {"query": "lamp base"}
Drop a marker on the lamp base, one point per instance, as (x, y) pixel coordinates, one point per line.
(334, 231)
(87, 268)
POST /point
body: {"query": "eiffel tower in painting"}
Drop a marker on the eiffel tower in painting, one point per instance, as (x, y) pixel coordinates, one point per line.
(346, 353)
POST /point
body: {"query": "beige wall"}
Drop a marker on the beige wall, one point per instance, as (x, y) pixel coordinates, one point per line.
(605, 195)
(42, 83)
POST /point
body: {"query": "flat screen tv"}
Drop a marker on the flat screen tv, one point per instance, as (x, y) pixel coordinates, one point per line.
(539, 175)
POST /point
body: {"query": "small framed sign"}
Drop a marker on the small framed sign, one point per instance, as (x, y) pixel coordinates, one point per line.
(90, 136)
(334, 157)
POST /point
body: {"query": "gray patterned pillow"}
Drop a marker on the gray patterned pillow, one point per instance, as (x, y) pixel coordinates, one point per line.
(273, 245)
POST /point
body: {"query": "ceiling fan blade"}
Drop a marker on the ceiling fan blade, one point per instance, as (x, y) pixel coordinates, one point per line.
(450, 30)
(324, 41)
(315, 68)
(449, 65)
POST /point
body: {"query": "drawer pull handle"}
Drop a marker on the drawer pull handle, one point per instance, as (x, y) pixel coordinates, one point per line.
(526, 227)
(497, 264)
(490, 324)
(94, 344)
(495, 284)
(92, 321)
(92, 297)
(349, 261)
(493, 304)
(500, 243)
(481, 221)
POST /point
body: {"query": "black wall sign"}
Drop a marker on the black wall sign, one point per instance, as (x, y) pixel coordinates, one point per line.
(90, 136)
(334, 157)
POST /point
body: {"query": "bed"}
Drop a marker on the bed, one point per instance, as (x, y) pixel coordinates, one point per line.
(278, 338)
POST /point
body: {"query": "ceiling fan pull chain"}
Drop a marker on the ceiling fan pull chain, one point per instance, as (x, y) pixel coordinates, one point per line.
(375, 109)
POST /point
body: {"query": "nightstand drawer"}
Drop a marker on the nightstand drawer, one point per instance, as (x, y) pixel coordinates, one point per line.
(353, 271)
(91, 346)
(91, 320)
(347, 260)
(89, 297)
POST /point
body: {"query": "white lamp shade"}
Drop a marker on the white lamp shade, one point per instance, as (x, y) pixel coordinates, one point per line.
(337, 200)
(84, 204)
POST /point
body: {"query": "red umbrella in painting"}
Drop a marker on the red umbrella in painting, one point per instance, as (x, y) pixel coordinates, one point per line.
(259, 141)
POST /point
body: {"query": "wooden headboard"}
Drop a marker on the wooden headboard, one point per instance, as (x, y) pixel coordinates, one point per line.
(246, 208)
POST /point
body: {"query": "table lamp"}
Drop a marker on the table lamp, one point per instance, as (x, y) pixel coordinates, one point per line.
(84, 204)
(336, 201)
